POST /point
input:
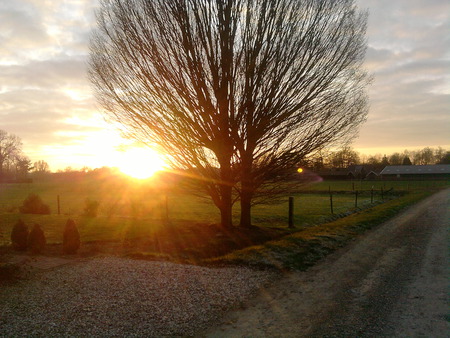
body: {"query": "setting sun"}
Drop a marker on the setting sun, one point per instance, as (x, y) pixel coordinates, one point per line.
(140, 163)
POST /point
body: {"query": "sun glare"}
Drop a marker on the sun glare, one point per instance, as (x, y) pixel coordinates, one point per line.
(140, 163)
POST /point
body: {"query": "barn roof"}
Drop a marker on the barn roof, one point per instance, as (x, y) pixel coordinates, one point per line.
(416, 169)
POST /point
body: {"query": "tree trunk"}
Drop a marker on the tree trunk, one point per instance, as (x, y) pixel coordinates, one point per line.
(226, 208)
(246, 191)
(226, 188)
(246, 206)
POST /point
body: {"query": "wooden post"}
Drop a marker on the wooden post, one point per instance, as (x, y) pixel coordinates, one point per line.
(167, 208)
(331, 201)
(356, 198)
(291, 212)
(59, 206)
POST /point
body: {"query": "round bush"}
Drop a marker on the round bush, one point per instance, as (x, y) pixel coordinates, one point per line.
(19, 236)
(34, 205)
(36, 239)
(71, 238)
(91, 208)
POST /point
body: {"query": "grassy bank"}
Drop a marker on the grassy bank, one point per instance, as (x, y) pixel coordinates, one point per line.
(302, 249)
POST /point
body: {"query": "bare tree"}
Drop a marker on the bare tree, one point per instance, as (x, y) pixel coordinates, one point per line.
(395, 159)
(236, 91)
(10, 148)
(22, 165)
(41, 167)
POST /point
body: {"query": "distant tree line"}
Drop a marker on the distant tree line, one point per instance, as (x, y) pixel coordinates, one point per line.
(347, 156)
(14, 164)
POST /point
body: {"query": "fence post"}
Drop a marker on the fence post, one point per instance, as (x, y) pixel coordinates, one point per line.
(291, 212)
(166, 202)
(356, 198)
(331, 200)
(59, 207)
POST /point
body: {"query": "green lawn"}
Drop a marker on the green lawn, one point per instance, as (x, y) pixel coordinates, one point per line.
(350, 185)
(131, 205)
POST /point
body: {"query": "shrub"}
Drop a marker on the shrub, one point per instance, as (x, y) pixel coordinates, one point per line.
(34, 205)
(71, 238)
(91, 208)
(19, 236)
(36, 239)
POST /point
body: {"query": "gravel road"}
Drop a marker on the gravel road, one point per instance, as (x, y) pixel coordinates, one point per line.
(393, 282)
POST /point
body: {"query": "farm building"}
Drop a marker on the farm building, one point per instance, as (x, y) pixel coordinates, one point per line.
(368, 172)
(436, 171)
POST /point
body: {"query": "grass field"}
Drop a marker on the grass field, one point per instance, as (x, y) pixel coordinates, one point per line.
(137, 209)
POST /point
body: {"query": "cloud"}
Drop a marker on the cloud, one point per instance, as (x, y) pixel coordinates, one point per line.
(20, 28)
(46, 99)
(52, 73)
(409, 58)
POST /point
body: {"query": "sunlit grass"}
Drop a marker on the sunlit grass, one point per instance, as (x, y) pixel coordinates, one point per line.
(141, 208)
(302, 249)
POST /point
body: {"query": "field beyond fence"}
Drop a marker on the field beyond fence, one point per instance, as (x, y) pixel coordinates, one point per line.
(128, 208)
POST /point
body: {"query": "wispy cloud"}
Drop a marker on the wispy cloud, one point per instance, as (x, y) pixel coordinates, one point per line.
(409, 57)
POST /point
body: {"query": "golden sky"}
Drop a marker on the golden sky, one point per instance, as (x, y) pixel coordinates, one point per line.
(46, 99)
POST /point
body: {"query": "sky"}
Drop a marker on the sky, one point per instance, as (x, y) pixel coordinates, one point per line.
(46, 98)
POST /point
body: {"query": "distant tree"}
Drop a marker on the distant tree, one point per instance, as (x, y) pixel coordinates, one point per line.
(424, 156)
(236, 92)
(22, 167)
(439, 154)
(445, 159)
(384, 161)
(374, 160)
(10, 148)
(395, 159)
(406, 161)
(344, 158)
(41, 167)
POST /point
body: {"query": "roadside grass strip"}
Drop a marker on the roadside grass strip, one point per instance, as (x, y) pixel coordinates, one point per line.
(303, 249)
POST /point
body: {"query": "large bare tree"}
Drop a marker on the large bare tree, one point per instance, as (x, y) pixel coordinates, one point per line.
(236, 91)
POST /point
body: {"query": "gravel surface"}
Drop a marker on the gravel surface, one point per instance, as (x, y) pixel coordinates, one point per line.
(121, 297)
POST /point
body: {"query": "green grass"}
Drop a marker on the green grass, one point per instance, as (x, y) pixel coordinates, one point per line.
(350, 185)
(118, 208)
(138, 208)
(302, 249)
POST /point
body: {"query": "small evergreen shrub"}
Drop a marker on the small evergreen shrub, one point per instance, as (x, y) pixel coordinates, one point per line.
(19, 236)
(71, 238)
(91, 208)
(34, 205)
(36, 239)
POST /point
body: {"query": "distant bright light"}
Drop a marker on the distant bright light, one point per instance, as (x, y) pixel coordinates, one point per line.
(140, 163)
(299, 170)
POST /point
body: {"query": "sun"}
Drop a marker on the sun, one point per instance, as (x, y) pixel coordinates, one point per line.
(140, 163)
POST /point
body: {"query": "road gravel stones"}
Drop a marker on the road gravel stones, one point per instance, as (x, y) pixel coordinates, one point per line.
(112, 296)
